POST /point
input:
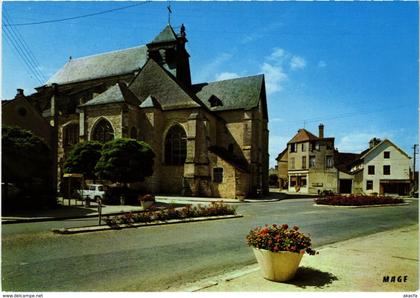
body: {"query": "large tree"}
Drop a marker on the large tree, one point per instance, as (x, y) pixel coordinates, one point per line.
(27, 163)
(125, 160)
(83, 158)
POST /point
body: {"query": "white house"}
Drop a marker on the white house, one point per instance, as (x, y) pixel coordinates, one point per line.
(384, 168)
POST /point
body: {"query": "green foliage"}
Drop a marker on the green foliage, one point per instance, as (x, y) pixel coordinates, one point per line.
(25, 156)
(273, 180)
(27, 163)
(83, 158)
(125, 160)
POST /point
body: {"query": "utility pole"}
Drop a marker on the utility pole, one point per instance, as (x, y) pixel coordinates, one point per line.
(414, 162)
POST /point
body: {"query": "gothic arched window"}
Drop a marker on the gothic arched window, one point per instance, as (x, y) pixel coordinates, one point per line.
(70, 135)
(175, 146)
(103, 131)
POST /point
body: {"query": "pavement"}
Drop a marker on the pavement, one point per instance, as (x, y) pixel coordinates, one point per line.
(359, 265)
(75, 209)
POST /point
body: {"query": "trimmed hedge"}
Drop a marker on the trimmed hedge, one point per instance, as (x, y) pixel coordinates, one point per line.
(214, 209)
(357, 200)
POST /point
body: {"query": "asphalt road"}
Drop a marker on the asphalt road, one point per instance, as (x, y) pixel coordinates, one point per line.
(159, 257)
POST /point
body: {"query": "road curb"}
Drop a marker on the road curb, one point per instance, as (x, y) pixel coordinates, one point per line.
(363, 206)
(215, 280)
(66, 231)
(39, 219)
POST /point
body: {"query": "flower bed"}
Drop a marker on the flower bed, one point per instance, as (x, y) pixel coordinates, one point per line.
(357, 200)
(277, 238)
(189, 211)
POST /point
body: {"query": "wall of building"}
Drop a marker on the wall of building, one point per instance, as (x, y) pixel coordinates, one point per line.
(399, 163)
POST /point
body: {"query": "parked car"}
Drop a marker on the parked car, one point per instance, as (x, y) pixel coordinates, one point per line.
(92, 192)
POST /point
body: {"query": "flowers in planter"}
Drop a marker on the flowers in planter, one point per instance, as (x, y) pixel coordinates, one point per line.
(214, 209)
(357, 200)
(277, 238)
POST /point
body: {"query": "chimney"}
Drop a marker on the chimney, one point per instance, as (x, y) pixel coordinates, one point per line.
(20, 92)
(373, 142)
(321, 131)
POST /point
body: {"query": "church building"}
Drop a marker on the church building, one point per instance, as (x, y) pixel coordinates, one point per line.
(210, 139)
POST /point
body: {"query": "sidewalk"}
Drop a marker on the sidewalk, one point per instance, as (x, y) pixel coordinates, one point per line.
(357, 265)
(77, 210)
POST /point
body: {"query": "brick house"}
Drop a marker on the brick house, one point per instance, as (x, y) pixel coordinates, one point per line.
(210, 139)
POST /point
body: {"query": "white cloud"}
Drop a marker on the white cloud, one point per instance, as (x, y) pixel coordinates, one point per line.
(359, 141)
(276, 145)
(297, 62)
(207, 71)
(277, 55)
(226, 76)
(277, 119)
(274, 77)
(322, 64)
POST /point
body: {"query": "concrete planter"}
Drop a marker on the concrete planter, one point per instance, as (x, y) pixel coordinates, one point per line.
(278, 266)
(146, 204)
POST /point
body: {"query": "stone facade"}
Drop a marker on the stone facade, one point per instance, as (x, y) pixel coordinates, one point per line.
(311, 163)
(210, 139)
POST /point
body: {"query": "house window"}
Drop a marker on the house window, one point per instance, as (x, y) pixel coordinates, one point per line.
(303, 162)
(371, 170)
(293, 148)
(329, 162)
(133, 133)
(317, 146)
(103, 131)
(218, 175)
(175, 146)
(292, 163)
(387, 170)
(311, 161)
(387, 154)
(303, 147)
(71, 134)
(293, 180)
(369, 184)
(330, 146)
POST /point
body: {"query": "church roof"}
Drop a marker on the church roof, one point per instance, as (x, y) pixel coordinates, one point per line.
(150, 102)
(102, 65)
(118, 93)
(167, 35)
(154, 81)
(302, 136)
(239, 93)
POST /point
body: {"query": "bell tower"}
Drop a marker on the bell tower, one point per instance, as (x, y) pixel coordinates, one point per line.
(168, 50)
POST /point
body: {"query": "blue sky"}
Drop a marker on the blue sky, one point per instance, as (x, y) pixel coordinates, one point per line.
(352, 66)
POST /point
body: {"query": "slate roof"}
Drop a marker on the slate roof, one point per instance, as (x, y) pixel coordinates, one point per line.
(368, 151)
(302, 136)
(240, 93)
(115, 94)
(99, 66)
(154, 81)
(150, 102)
(167, 35)
(343, 161)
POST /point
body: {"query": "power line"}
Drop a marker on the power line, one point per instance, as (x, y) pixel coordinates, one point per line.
(77, 17)
(25, 48)
(21, 55)
(346, 115)
(23, 51)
